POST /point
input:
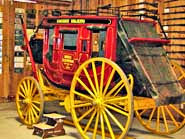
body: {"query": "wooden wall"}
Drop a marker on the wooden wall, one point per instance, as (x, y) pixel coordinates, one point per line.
(6, 75)
(174, 23)
(9, 79)
(171, 12)
(93, 4)
(1, 78)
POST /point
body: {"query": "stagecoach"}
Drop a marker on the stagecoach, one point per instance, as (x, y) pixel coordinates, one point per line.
(102, 69)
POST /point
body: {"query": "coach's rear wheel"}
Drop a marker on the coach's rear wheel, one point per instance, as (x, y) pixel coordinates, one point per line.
(29, 101)
(106, 95)
(162, 120)
(180, 73)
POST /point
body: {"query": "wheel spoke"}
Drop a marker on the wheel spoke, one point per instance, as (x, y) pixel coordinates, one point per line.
(177, 110)
(118, 106)
(102, 77)
(34, 112)
(83, 105)
(102, 125)
(181, 77)
(82, 95)
(115, 100)
(25, 87)
(108, 125)
(20, 100)
(158, 120)
(119, 90)
(95, 77)
(171, 116)
(28, 85)
(24, 91)
(85, 114)
(90, 81)
(32, 116)
(117, 110)
(142, 112)
(26, 117)
(20, 93)
(85, 87)
(108, 82)
(164, 118)
(90, 121)
(80, 102)
(25, 109)
(115, 88)
(31, 87)
(34, 91)
(96, 125)
(36, 102)
(151, 115)
(115, 120)
(29, 117)
(36, 97)
(37, 108)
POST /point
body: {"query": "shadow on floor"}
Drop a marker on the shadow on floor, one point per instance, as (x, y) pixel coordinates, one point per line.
(139, 131)
(74, 135)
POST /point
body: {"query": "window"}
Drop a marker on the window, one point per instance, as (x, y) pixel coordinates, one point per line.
(70, 40)
(98, 43)
(51, 34)
(50, 51)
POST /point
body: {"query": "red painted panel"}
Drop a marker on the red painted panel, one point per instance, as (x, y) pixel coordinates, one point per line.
(152, 40)
(64, 63)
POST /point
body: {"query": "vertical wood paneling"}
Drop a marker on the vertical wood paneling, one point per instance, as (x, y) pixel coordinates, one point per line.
(8, 32)
(1, 78)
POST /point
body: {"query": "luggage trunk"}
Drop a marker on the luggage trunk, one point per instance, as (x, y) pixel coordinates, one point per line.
(147, 61)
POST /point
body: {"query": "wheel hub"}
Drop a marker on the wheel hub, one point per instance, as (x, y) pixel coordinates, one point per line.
(27, 101)
(99, 102)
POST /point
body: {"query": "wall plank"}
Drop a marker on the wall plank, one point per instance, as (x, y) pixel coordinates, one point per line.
(174, 19)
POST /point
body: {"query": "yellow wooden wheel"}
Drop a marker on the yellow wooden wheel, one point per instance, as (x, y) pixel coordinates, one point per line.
(162, 120)
(180, 73)
(101, 86)
(29, 101)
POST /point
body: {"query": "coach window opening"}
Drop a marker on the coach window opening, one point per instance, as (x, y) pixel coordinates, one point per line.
(69, 39)
(98, 40)
(50, 43)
